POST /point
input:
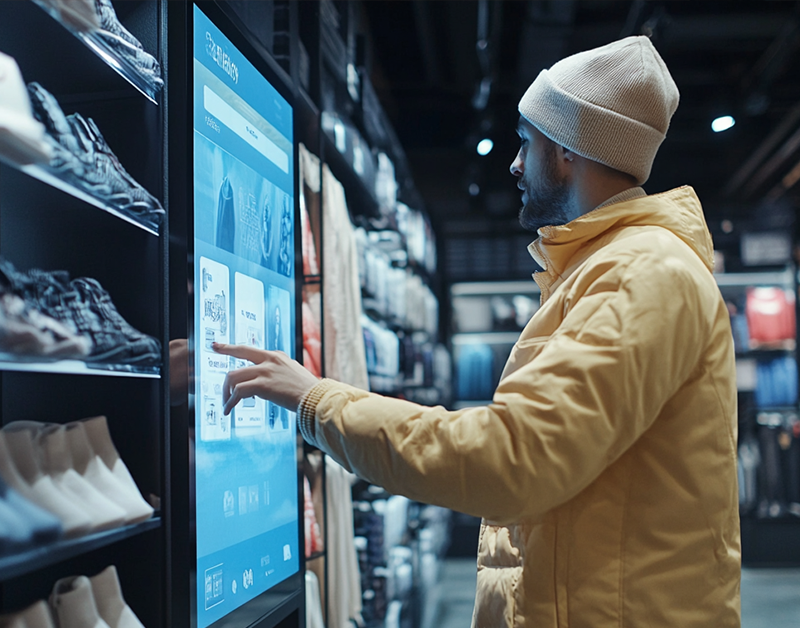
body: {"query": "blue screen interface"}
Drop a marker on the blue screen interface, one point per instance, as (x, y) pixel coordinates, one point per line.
(245, 463)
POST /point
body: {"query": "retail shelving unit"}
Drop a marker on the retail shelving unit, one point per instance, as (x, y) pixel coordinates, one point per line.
(50, 224)
(487, 318)
(770, 529)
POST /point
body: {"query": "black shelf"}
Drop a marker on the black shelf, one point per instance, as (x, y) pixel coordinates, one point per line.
(34, 559)
(150, 224)
(312, 280)
(315, 556)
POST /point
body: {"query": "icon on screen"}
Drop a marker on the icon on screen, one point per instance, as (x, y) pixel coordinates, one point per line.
(214, 592)
(287, 552)
(228, 504)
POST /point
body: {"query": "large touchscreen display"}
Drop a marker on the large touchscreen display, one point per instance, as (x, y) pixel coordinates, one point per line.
(245, 463)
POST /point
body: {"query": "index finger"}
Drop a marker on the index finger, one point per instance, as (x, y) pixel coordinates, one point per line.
(243, 352)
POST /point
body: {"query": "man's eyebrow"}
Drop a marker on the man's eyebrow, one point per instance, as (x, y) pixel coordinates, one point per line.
(520, 127)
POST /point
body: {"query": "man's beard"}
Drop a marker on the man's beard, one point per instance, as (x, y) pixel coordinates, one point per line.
(546, 202)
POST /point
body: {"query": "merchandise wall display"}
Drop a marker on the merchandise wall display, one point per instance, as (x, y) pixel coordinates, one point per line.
(245, 463)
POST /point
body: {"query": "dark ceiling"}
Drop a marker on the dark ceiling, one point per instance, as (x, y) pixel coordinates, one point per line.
(737, 57)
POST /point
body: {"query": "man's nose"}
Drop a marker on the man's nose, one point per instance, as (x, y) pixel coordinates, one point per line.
(516, 167)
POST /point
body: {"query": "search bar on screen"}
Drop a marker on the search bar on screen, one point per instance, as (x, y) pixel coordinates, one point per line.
(237, 123)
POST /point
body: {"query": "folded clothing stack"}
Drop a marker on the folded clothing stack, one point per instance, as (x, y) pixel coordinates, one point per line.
(45, 314)
(73, 472)
(79, 602)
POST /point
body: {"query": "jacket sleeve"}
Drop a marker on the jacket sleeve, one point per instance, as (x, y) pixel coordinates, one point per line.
(623, 350)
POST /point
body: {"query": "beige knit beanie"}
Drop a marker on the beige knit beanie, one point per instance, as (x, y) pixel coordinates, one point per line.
(611, 104)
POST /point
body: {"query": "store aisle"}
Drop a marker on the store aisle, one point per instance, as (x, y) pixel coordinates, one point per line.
(770, 597)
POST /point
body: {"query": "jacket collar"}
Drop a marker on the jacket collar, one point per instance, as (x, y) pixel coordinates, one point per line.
(559, 249)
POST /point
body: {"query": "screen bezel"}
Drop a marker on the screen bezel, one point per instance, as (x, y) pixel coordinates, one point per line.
(275, 603)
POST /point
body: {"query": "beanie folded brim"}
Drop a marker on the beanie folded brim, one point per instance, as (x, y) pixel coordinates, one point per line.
(589, 130)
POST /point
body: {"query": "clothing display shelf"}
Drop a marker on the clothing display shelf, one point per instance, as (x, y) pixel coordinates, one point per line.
(118, 63)
(45, 175)
(46, 555)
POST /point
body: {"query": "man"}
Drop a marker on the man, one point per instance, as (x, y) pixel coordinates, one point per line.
(605, 467)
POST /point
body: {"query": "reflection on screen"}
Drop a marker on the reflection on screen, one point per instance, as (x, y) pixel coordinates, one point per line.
(245, 463)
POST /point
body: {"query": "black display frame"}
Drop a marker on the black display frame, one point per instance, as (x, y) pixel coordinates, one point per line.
(283, 604)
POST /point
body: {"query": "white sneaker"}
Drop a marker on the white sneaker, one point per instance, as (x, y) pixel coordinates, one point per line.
(90, 466)
(103, 446)
(37, 616)
(73, 604)
(57, 462)
(21, 471)
(80, 15)
(110, 603)
(22, 138)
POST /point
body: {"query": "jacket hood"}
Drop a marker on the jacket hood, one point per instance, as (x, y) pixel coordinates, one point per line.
(677, 210)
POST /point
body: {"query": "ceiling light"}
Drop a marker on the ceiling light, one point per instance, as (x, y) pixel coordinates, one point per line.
(485, 146)
(474, 189)
(723, 123)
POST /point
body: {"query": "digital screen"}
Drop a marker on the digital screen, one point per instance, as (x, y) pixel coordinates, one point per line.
(245, 463)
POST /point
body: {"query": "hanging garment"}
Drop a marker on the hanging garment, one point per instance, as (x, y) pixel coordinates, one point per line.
(309, 201)
(344, 583)
(312, 343)
(314, 616)
(226, 217)
(474, 372)
(345, 357)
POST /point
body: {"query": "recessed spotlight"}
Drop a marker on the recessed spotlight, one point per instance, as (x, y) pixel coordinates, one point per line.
(474, 189)
(727, 226)
(485, 146)
(723, 123)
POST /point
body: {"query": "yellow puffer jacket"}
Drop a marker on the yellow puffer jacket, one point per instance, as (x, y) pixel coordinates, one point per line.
(605, 468)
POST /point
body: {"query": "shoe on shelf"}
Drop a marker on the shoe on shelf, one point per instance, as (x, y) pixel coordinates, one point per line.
(127, 46)
(44, 527)
(15, 533)
(139, 348)
(91, 466)
(79, 15)
(22, 137)
(100, 439)
(86, 309)
(20, 468)
(57, 462)
(73, 605)
(110, 604)
(81, 156)
(104, 174)
(37, 616)
(25, 331)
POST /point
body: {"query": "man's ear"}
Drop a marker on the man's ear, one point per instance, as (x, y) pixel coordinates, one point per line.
(565, 154)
